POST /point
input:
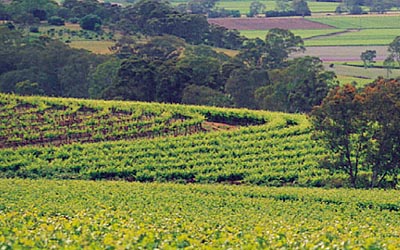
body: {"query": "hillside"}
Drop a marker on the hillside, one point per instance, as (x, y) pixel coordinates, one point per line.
(81, 139)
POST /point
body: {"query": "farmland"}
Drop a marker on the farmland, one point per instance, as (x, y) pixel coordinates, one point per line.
(100, 215)
(95, 174)
(276, 150)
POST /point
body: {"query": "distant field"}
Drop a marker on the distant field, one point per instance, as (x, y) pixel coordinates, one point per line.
(360, 72)
(344, 53)
(362, 21)
(291, 23)
(349, 79)
(357, 37)
(99, 47)
(303, 33)
(244, 6)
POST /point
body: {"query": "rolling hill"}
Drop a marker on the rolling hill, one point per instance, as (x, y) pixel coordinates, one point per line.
(92, 140)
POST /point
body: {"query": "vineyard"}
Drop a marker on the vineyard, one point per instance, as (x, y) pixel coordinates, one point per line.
(121, 215)
(92, 140)
(159, 170)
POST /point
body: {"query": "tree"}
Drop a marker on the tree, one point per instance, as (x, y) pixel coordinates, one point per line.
(360, 129)
(90, 22)
(282, 5)
(382, 105)
(340, 125)
(296, 88)
(301, 7)
(56, 20)
(202, 95)
(28, 88)
(256, 8)
(381, 6)
(273, 52)
(136, 80)
(104, 76)
(389, 64)
(394, 50)
(200, 6)
(242, 84)
(280, 44)
(368, 57)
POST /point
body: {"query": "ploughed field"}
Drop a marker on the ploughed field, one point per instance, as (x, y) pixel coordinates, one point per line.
(163, 180)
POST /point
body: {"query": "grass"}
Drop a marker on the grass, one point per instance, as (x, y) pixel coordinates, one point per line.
(229, 52)
(349, 79)
(357, 38)
(357, 22)
(244, 6)
(99, 47)
(303, 33)
(360, 72)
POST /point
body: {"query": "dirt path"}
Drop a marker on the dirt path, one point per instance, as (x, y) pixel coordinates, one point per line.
(332, 34)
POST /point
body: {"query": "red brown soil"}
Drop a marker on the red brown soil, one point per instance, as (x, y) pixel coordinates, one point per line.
(291, 23)
(215, 126)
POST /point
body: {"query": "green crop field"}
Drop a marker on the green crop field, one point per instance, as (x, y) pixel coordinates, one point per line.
(244, 5)
(43, 214)
(357, 38)
(305, 34)
(360, 22)
(275, 150)
(91, 174)
(343, 79)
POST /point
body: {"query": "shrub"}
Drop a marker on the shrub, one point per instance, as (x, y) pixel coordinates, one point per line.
(56, 21)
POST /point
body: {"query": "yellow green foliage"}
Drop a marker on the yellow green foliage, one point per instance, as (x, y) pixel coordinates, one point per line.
(118, 215)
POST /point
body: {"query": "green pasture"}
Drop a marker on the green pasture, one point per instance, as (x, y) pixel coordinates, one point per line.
(350, 79)
(302, 33)
(363, 74)
(98, 47)
(244, 5)
(360, 22)
(357, 38)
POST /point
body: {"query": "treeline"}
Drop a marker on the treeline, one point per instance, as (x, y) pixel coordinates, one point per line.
(167, 69)
(358, 6)
(146, 17)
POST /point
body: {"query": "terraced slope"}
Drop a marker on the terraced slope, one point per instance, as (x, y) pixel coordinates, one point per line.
(265, 149)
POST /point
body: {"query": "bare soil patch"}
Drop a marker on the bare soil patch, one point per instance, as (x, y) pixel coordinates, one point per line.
(268, 23)
(217, 126)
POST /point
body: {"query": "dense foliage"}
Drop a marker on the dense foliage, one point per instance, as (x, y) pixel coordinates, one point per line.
(165, 69)
(106, 215)
(360, 128)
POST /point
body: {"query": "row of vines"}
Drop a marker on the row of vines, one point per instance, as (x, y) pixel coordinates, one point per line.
(43, 214)
(279, 152)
